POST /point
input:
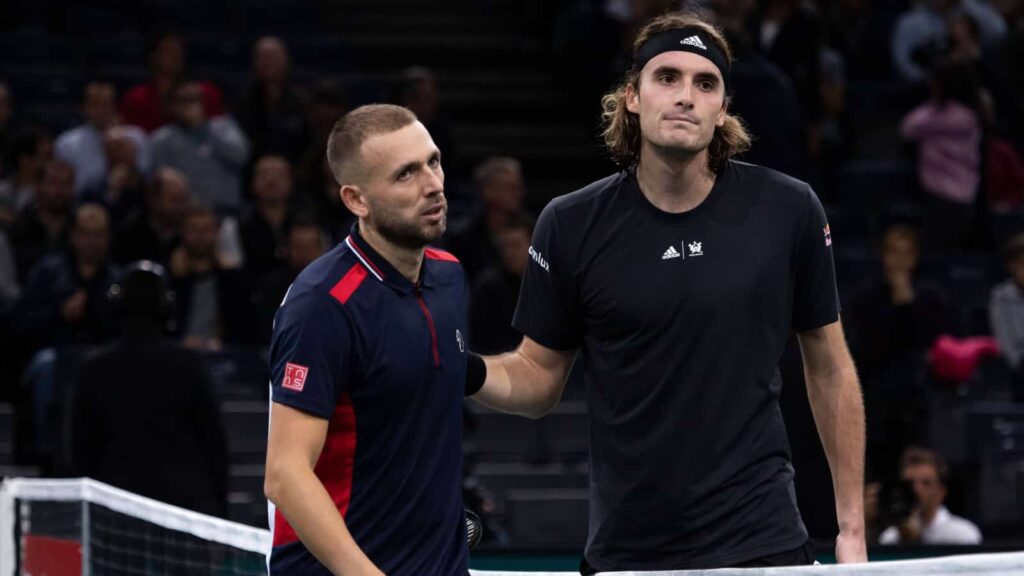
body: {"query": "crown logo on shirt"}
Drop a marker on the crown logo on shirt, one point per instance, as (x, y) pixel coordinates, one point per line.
(696, 249)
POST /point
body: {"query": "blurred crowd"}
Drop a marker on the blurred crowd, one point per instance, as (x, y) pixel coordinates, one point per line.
(232, 196)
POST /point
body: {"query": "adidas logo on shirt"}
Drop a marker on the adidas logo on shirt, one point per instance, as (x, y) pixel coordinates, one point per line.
(694, 41)
(671, 253)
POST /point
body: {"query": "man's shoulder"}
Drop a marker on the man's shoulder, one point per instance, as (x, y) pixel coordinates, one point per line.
(593, 192)
(166, 133)
(332, 279)
(444, 264)
(745, 172)
(959, 530)
(70, 138)
(1007, 292)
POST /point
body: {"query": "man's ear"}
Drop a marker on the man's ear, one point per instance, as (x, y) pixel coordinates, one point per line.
(633, 97)
(354, 200)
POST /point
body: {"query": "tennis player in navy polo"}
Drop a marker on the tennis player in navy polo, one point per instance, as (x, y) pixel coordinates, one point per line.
(368, 368)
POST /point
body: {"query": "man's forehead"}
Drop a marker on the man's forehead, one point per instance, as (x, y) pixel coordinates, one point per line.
(686, 62)
(390, 150)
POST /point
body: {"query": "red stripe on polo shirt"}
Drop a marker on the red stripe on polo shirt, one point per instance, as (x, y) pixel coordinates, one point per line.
(348, 284)
(436, 254)
(334, 468)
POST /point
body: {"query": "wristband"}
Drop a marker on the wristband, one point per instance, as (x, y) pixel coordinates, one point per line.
(476, 373)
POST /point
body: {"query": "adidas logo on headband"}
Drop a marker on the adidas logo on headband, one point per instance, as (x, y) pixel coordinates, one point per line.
(693, 41)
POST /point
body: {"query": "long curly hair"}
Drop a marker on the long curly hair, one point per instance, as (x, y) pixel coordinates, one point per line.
(621, 128)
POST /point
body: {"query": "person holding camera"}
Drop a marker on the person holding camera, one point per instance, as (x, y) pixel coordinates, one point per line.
(928, 521)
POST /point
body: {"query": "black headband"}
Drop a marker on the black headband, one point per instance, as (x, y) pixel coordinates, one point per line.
(690, 39)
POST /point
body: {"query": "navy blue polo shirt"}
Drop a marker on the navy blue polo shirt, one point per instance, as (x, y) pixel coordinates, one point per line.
(384, 361)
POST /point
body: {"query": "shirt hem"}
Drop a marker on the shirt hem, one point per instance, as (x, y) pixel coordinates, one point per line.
(715, 561)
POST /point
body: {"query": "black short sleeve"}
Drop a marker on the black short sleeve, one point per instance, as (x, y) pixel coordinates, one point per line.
(816, 299)
(310, 354)
(549, 310)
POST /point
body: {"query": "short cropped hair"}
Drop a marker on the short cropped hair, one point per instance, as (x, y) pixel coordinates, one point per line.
(353, 129)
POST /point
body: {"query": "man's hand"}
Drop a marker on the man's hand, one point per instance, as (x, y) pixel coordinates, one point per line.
(851, 548)
(910, 529)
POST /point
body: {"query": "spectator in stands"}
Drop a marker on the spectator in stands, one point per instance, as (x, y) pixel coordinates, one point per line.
(1006, 312)
(788, 34)
(766, 100)
(421, 93)
(144, 105)
(6, 124)
(892, 321)
(948, 130)
(322, 191)
(64, 301)
(264, 229)
(306, 242)
(214, 302)
(327, 103)
(84, 146)
(499, 183)
(930, 522)
(42, 228)
(859, 31)
(123, 189)
(271, 112)
(9, 287)
(211, 152)
(24, 159)
(494, 294)
(921, 34)
(154, 232)
(144, 416)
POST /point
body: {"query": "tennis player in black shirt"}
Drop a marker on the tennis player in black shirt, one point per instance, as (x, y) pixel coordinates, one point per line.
(680, 279)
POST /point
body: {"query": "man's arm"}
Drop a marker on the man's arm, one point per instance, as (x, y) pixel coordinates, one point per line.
(296, 440)
(835, 397)
(527, 381)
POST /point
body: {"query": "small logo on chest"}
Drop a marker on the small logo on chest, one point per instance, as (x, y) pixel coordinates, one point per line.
(685, 251)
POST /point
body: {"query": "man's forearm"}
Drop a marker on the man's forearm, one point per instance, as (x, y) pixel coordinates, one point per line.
(304, 502)
(838, 409)
(517, 385)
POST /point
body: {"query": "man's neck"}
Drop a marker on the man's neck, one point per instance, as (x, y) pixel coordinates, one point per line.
(674, 184)
(406, 261)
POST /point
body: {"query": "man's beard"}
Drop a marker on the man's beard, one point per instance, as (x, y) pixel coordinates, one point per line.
(409, 235)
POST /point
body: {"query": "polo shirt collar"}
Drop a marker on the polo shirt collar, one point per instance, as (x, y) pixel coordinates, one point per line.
(380, 268)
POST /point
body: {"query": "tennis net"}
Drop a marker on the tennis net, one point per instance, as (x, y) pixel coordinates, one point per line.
(83, 527)
(80, 526)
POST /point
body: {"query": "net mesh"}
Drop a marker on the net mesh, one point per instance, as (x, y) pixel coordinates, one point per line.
(72, 527)
(82, 527)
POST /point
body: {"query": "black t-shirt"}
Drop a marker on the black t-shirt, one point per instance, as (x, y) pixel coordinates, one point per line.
(682, 319)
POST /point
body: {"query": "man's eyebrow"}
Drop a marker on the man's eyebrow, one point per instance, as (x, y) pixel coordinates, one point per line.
(666, 69)
(407, 166)
(413, 164)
